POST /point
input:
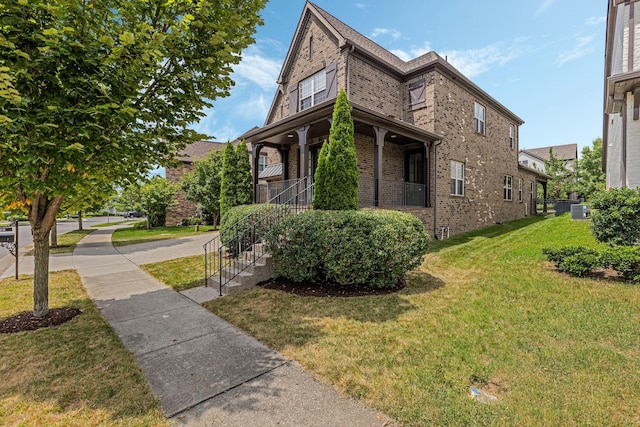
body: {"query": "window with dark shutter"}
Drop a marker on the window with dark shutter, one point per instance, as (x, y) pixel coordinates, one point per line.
(332, 84)
(416, 94)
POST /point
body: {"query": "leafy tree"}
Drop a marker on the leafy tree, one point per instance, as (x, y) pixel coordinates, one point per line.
(342, 167)
(202, 186)
(244, 178)
(562, 179)
(104, 90)
(155, 197)
(320, 179)
(589, 175)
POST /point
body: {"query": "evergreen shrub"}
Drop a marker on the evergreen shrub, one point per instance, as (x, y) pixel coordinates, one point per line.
(616, 216)
(364, 248)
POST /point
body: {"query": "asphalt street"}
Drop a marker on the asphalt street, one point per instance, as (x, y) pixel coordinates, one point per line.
(64, 226)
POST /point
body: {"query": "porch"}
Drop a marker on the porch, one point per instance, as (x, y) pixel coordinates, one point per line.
(396, 160)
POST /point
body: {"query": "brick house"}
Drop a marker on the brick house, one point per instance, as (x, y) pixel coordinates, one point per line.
(535, 157)
(198, 150)
(269, 169)
(621, 125)
(428, 140)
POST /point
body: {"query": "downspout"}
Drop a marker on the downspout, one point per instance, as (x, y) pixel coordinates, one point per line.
(435, 188)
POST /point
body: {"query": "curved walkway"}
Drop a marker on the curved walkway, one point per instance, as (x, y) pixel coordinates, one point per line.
(203, 369)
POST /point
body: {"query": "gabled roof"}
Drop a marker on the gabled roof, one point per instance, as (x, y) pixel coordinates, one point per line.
(562, 152)
(199, 150)
(348, 37)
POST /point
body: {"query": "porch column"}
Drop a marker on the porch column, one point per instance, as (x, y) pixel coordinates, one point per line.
(425, 173)
(544, 191)
(377, 162)
(284, 156)
(255, 156)
(304, 150)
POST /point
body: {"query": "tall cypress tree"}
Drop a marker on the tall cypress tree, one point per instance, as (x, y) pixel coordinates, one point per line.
(320, 179)
(342, 170)
(244, 181)
(228, 184)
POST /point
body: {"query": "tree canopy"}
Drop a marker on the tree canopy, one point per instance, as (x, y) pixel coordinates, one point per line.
(103, 90)
(236, 187)
(590, 178)
(202, 186)
(562, 179)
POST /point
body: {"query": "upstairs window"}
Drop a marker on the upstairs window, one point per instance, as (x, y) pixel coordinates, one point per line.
(312, 90)
(507, 194)
(457, 178)
(416, 94)
(512, 139)
(479, 118)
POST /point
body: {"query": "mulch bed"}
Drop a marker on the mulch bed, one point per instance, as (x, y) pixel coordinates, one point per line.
(308, 289)
(26, 321)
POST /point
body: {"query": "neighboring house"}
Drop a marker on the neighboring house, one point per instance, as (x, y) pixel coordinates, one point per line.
(621, 127)
(200, 150)
(535, 157)
(428, 140)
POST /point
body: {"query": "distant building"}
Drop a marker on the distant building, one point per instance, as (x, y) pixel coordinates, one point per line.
(621, 127)
(535, 157)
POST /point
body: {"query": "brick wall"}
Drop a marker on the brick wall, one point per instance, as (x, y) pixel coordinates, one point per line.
(183, 207)
(374, 88)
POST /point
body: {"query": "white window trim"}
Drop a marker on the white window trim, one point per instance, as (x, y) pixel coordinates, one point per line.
(520, 189)
(320, 79)
(479, 123)
(508, 188)
(458, 177)
(512, 136)
(262, 164)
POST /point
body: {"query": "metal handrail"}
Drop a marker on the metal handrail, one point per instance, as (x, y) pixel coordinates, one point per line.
(242, 247)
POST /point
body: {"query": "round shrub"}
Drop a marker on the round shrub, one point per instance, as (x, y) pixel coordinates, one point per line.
(365, 248)
(615, 219)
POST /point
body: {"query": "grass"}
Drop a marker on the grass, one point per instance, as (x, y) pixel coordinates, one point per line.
(485, 309)
(180, 274)
(133, 235)
(75, 374)
(66, 242)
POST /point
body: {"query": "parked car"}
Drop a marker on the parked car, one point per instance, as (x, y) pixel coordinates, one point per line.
(133, 214)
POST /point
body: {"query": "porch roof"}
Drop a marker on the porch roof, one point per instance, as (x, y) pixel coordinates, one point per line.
(283, 132)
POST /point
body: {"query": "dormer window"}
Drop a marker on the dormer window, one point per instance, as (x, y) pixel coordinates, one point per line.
(312, 90)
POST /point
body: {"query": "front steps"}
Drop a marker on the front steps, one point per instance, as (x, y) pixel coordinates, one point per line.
(247, 273)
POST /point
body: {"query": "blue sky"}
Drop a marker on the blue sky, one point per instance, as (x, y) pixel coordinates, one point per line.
(542, 59)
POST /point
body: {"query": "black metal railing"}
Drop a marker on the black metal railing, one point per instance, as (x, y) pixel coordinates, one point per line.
(238, 247)
(390, 193)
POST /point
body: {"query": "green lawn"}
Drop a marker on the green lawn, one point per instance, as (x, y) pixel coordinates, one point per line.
(180, 274)
(74, 374)
(133, 235)
(486, 310)
(67, 242)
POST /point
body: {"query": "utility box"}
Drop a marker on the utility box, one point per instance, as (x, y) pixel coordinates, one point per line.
(579, 212)
(6, 235)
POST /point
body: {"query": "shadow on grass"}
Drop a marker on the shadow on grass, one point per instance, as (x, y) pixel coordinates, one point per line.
(490, 232)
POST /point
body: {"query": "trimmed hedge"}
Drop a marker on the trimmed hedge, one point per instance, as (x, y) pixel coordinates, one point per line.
(581, 260)
(365, 248)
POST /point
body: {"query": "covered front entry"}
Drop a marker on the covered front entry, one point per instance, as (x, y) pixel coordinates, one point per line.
(395, 159)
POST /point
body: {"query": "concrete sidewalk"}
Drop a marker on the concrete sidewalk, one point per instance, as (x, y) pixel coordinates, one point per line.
(204, 370)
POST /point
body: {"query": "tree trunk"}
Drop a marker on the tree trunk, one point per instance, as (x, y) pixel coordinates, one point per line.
(54, 234)
(40, 272)
(42, 215)
(80, 220)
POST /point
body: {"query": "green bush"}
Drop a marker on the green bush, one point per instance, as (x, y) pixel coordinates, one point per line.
(625, 260)
(191, 221)
(235, 229)
(557, 255)
(615, 218)
(581, 263)
(365, 248)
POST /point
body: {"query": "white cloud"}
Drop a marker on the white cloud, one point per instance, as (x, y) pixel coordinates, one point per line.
(584, 46)
(546, 4)
(394, 34)
(360, 5)
(255, 108)
(414, 52)
(258, 69)
(595, 20)
(473, 62)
